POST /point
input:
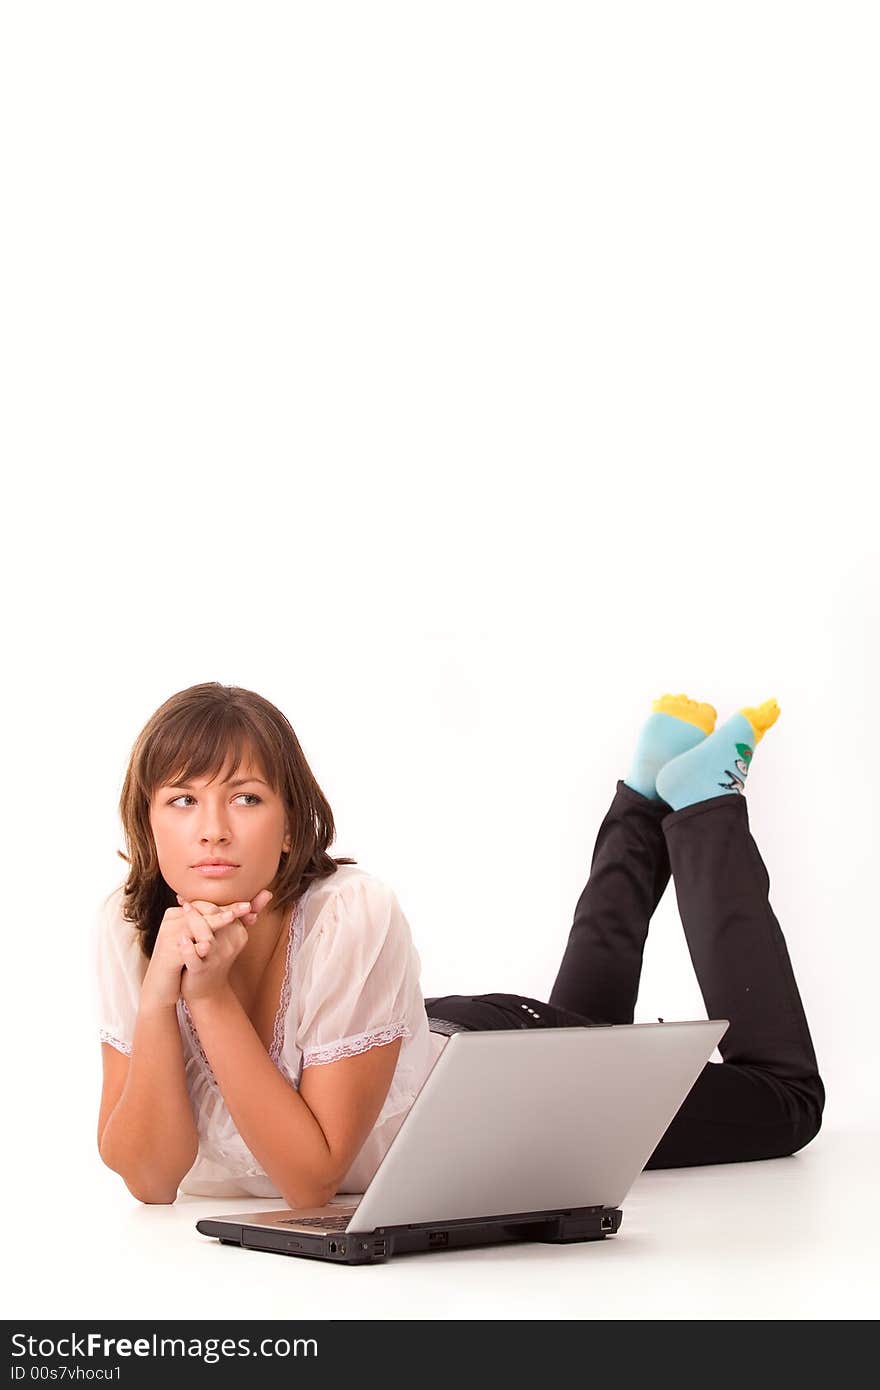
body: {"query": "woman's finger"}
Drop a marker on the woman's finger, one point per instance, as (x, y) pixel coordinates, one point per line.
(200, 926)
(213, 914)
(201, 948)
(187, 950)
(197, 925)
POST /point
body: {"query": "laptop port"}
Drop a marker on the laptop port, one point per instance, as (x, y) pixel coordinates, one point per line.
(333, 1247)
(606, 1223)
(438, 1238)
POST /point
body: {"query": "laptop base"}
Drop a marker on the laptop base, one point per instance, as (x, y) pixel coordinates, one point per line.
(372, 1247)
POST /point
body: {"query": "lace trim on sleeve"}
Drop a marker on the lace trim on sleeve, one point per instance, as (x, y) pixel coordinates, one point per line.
(358, 1042)
(115, 1042)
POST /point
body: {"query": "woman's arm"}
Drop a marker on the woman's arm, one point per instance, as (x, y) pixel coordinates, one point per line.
(151, 1138)
(305, 1157)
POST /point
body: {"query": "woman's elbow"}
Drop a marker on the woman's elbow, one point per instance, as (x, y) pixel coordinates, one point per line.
(304, 1197)
(153, 1199)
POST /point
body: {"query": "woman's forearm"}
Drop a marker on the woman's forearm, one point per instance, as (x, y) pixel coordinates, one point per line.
(151, 1138)
(269, 1114)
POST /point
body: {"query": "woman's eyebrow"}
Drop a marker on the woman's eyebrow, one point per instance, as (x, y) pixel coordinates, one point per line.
(239, 782)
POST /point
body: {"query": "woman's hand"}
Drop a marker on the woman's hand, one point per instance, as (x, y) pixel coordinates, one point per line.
(161, 984)
(210, 940)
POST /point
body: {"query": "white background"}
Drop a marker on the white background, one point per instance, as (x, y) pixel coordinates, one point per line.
(460, 377)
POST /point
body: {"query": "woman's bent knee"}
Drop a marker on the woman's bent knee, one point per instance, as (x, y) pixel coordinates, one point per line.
(811, 1107)
(810, 1125)
(739, 1114)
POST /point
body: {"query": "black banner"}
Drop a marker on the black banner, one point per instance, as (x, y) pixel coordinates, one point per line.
(133, 1353)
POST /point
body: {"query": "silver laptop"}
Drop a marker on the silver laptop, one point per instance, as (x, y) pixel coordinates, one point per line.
(517, 1135)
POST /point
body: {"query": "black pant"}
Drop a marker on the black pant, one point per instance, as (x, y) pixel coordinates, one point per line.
(766, 1098)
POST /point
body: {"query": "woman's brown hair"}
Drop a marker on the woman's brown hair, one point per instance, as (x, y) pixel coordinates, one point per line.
(192, 735)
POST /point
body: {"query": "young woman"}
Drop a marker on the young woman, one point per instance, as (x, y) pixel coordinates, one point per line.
(263, 1030)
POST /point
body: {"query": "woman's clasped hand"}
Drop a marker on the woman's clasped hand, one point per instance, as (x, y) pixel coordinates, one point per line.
(195, 946)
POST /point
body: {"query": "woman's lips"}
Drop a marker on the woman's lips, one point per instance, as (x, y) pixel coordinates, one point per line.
(215, 870)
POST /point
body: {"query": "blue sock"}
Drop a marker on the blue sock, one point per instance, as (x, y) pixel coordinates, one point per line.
(676, 725)
(717, 767)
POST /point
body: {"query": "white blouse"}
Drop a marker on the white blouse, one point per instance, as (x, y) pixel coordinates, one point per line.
(352, 982)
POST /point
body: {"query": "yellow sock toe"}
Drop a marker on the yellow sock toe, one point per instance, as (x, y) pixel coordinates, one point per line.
(761, 717)
(702, 715)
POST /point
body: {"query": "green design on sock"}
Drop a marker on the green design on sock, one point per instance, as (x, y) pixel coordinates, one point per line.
(745, 753)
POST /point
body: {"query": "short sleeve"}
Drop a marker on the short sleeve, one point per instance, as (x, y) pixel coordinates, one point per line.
(120, 966)
(360, 974)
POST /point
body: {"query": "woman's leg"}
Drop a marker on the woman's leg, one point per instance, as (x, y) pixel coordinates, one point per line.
(765, 1100)
(600, 969)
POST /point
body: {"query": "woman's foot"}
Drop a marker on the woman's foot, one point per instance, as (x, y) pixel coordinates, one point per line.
(721, 762)
(676, 725)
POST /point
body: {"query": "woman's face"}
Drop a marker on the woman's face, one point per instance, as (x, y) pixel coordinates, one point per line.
(242, 821)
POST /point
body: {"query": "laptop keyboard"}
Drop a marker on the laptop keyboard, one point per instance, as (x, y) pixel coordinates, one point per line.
(326, 1223)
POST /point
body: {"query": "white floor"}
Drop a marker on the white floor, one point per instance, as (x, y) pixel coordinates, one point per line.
(791, 1238)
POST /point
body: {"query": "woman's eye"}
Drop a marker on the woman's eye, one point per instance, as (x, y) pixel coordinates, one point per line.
(186, 797)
